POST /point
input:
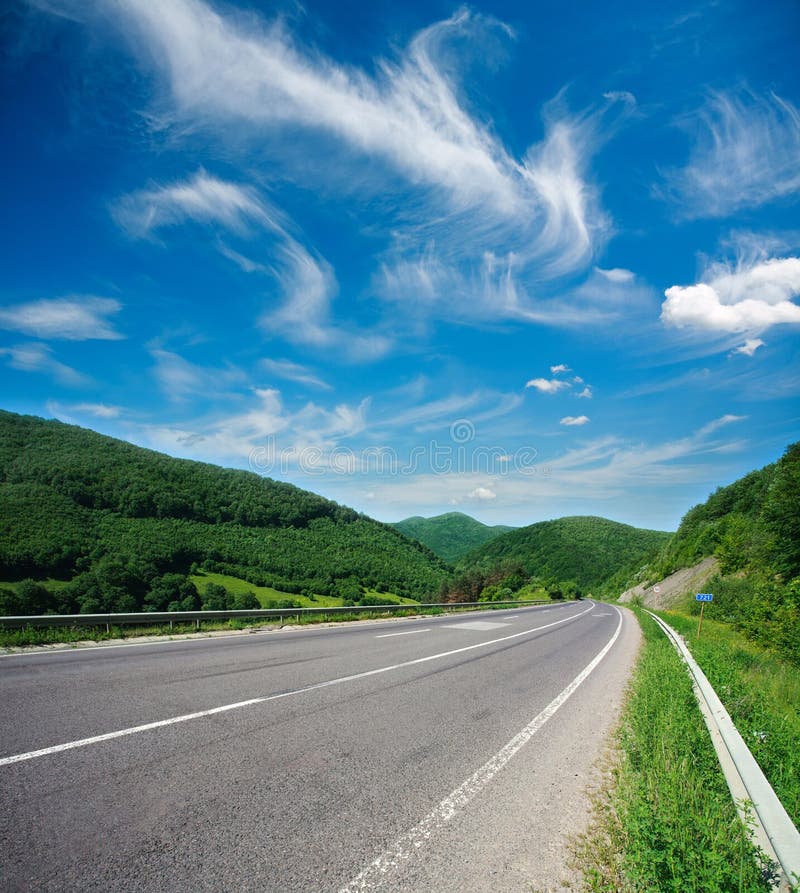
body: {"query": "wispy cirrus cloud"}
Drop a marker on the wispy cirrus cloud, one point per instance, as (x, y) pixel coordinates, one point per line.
(296, 372)
(37, 357)
(201, 198)
(181, 380)
(746, 153)
(306, 282)
(72, 318)
(501, 225)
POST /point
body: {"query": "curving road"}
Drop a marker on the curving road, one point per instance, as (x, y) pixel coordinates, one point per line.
(435, 754)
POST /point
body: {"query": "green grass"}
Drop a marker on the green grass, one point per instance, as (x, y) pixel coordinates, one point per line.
(50, 583)
(268, 596)
(762, 694)
(665, 821)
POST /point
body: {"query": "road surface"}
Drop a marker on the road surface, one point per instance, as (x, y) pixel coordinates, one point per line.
(436, 754)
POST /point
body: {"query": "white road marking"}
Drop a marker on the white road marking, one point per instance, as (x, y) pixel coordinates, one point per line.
(378, 872)
(121, 733)
(408, 632)
(482, 626)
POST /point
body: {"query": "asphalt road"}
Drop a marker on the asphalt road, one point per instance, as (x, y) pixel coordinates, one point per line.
(435, 754)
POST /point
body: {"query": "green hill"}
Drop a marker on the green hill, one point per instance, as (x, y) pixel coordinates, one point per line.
(450, 536)
(753, 527)
(126, 526)
(584, 550)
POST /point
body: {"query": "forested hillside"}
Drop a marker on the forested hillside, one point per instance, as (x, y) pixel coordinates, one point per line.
(753, 527)
(118, 521)
(584, 550)
(450, 536)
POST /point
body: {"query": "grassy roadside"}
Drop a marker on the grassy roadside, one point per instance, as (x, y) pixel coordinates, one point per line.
(665, 820)
(762, 694)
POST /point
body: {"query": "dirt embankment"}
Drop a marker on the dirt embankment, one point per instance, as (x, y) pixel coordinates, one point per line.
(665, 594)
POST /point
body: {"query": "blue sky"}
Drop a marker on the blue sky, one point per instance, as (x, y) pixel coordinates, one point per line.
(521, 260)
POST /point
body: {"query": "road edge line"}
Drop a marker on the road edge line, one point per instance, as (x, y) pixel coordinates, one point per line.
(411, 841)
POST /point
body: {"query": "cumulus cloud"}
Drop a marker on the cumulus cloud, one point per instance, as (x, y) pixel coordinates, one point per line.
(548, 386)
(556, 385)
(73, 318)
(746, 153)
(483, 494)
(571, 420)
(749, 298)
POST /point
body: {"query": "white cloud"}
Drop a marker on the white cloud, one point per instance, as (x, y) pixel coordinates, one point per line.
(180, 379)
(36, 357)
(548, 386)
(585, 394)
(307, 283)
(483, 494)
(750, 346)
(747, 299)
(561, 368)
(294, 372)
(98, 410)
(309, 286)
(202, 198)
(465, 195)
(721, 422)
(616, 275)
(221, 69)
(73, 318)
(747, 153)
(574, 420)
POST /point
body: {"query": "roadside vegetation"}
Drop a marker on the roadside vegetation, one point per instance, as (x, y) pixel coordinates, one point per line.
(665, 820)
(752, 527)
(760, 690)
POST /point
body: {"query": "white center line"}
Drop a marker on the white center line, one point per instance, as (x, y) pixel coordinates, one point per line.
(121, 733)
(408, 632)
(380, 871)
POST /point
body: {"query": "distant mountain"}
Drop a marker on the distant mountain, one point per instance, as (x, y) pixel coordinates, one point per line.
(584, 550)
(450, 536)
(115, 519)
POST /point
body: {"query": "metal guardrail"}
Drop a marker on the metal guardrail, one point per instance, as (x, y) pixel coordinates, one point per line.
(771, 827)
(172, 617)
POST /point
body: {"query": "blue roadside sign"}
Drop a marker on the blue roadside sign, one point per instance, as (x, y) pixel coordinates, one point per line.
(704, 597)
